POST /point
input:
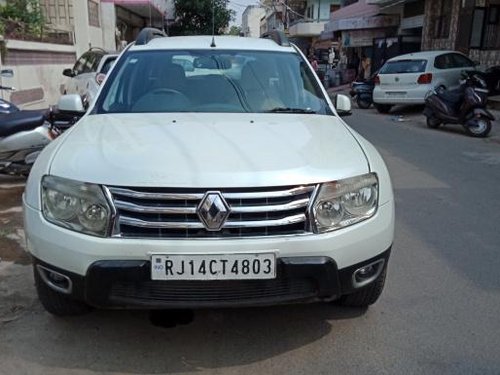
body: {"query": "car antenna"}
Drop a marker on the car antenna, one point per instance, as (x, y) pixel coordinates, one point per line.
(213, 25)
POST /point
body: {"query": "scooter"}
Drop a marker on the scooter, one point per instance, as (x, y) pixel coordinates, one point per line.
(23, 135)
(465, 106)
(5, 106)
(362, 92)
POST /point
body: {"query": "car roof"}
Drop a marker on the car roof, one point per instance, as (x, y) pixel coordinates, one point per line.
(422, 55)
(223, 42)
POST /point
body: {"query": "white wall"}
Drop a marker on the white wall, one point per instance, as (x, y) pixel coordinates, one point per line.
(108, 26)
(89, 36)
(251, 21)
(47, 77)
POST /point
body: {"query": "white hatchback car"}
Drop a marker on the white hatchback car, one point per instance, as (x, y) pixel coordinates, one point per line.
(209, 187)
(408, 78)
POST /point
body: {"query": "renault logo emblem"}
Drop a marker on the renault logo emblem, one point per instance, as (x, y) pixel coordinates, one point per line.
(213, 211)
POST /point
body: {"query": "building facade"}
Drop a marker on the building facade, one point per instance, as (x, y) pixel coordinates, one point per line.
(250, 20)
(469, 26)
(72, 27)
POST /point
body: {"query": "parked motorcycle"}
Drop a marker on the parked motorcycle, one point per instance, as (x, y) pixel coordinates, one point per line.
(465, 105)
(492, 78)
(23, 135)
(362, 92)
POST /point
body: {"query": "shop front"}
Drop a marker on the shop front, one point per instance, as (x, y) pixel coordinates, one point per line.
(357, 35)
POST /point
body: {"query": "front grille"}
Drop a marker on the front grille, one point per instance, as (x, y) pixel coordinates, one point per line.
(198, 293)
(172, 213)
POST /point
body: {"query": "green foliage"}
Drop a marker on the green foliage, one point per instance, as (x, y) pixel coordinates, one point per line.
(234, 30)
(195, 17)
(22, 17)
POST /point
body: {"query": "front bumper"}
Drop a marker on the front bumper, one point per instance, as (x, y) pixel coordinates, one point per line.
(127, 284)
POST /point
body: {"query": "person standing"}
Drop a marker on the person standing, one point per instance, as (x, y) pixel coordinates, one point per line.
(331, 57)
(314, 63)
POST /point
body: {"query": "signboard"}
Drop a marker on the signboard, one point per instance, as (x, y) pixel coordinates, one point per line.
(361, 38)
(374, 22)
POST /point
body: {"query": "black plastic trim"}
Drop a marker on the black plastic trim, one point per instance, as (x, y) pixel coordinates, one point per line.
(95, 287)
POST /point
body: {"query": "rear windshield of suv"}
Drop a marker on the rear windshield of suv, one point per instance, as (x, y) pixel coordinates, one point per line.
(211, 81)
(404, 66)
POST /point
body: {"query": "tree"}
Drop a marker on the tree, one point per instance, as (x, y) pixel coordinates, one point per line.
(195, 17)
(234, 30)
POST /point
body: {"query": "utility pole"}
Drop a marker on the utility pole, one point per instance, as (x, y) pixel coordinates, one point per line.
(286, 17)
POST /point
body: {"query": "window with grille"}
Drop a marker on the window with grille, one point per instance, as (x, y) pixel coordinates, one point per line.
(442, 21)
(486, 28)
(93, 13)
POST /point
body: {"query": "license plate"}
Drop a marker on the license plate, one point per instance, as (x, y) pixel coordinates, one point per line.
(396, 93)
(213, 266)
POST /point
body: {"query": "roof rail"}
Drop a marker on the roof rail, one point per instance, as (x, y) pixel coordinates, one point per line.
(278, 36)
(147, 34)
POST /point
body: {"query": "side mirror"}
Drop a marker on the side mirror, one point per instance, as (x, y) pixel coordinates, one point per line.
(99, 78)
(7, 73)
(69, 73)
(343, 105)
(477, 63)
(71, 104)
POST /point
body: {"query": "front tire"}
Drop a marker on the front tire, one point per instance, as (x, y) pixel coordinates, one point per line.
(363, 103)
(433, 122)
(383, 108)
(478, 127)
(367, 295)
(56, 303)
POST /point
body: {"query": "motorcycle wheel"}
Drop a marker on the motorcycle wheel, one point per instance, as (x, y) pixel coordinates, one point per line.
(478, 127)
(363, 103)
(433, 122)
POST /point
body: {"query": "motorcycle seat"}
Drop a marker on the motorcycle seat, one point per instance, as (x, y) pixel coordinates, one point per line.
(451, 97)
(15, 122)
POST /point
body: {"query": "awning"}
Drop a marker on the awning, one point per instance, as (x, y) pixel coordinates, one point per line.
(360, 23)
(356, 10)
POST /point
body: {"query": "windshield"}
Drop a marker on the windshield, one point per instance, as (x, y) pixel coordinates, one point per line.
(212, 81)
(404, 66)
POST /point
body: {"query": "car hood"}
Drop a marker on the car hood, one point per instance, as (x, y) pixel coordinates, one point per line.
(208, 150)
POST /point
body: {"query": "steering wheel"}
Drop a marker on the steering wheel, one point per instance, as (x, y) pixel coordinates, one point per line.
(168, 91)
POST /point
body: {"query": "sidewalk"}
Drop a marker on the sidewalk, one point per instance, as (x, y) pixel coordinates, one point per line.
(494, 102)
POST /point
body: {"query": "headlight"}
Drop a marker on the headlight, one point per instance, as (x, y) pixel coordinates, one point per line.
(78, 206)
(345, 202)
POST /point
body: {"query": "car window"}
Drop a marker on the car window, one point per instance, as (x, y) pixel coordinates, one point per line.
(445, 61)
(108, 63)
(80, 64)
(461, 61)
(97, 60)
(88, 62)
(211, 81)
(404, 66)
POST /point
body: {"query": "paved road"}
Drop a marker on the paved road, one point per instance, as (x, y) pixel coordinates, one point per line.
(439, 313)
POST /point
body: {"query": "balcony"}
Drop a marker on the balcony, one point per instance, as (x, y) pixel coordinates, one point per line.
(304, 28)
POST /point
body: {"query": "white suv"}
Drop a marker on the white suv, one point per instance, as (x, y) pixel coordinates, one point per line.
(232, 182)
(88, 73)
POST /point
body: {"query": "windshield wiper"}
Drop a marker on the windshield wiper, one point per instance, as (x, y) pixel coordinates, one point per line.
(291, 110)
